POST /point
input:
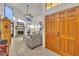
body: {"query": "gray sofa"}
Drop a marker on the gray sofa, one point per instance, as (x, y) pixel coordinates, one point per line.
(34, 40)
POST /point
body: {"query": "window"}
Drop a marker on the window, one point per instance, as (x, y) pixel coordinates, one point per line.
(8, 12)
(51, 5)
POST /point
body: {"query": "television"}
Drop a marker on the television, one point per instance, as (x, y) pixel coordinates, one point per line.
(8, 12)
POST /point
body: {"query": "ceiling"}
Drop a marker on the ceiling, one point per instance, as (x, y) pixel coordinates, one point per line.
(35, 9)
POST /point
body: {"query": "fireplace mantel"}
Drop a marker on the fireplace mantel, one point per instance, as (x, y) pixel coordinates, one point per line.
(20, 29)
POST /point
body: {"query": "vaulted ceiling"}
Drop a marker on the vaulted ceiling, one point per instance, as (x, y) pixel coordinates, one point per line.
(34, 8)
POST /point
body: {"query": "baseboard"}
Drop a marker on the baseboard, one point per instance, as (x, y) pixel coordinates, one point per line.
(59, 52)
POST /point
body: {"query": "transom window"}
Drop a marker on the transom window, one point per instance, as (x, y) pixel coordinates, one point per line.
(51, 5)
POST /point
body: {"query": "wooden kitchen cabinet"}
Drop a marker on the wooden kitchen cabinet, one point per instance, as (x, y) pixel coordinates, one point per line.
(63, 31)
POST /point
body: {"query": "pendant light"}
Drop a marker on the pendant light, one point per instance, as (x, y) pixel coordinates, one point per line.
(28, 15)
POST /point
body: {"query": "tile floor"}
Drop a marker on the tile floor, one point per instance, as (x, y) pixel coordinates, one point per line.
(19, 48)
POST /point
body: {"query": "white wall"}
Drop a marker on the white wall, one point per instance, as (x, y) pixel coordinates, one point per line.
(41, 18)
(36, 20)
(1, 10)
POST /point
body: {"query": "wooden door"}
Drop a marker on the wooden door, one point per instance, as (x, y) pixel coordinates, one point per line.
(71, 30)
(6, 30)
(53, 31)
(48, 32)
(76, 44)
(62, 33)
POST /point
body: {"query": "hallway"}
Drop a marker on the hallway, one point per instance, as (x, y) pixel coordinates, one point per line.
(54, 25)
(19, 48)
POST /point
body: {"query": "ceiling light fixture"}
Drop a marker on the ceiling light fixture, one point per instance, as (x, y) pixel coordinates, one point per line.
(28, 16)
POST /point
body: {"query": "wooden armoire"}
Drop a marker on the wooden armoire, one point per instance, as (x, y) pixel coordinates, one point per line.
(62, 32)
(5, 29)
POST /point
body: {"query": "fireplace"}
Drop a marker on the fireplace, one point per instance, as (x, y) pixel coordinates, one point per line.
(20, 32)
(20, 29)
